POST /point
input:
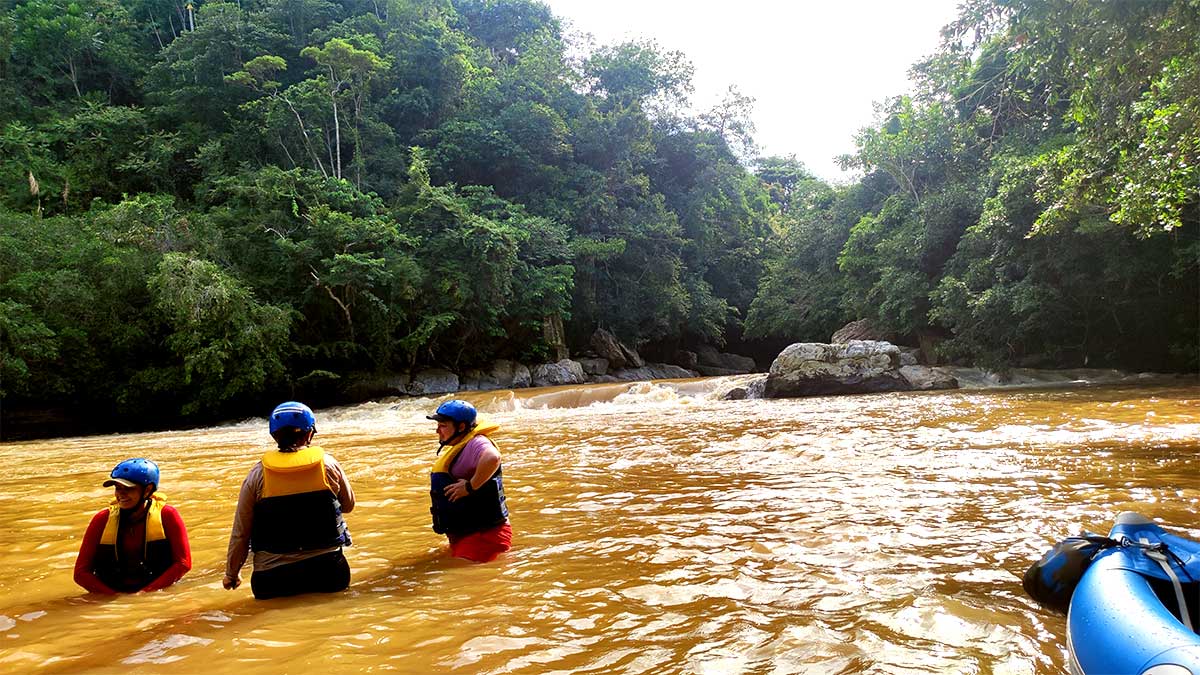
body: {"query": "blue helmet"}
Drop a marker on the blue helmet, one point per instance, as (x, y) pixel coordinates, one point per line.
(454, 411)
(138, 471)
(292, 414)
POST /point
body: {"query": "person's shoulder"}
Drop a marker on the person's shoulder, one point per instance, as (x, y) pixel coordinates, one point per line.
(98, 522)
(334, 471)
(332, 466)
(254, 477)
(171, 515)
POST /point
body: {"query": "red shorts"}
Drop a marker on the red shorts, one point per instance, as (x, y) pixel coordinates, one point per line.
(482, 546)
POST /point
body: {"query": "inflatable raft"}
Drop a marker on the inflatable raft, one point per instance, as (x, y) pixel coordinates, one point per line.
(1136, 609)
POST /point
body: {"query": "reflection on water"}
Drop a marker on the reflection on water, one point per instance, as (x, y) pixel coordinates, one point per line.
(656, 530)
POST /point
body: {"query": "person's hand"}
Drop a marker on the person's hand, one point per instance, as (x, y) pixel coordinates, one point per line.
(456, 490)
(231, 583)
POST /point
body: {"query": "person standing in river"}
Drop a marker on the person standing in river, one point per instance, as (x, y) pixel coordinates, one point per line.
(289, 513)
(466, 488)
(138, 543)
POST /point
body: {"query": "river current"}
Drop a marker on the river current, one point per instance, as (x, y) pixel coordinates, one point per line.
(657, 529)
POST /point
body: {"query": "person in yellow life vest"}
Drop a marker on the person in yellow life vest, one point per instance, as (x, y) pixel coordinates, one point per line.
(466, 488)
(138, 543)
(289, 513)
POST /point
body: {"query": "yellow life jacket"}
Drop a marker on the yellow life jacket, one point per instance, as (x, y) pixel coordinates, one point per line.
(289, 473)
(483, 427)
(154, 524)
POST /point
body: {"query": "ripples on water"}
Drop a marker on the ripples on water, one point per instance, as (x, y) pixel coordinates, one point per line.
(656, 531)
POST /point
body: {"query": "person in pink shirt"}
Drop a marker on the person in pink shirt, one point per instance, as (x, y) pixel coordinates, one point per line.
(139, 543)
(466, 488)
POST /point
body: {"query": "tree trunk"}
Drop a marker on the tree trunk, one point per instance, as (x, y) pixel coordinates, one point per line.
(307, 140)
(154, 25)
(344, 307)
(74, 77)
(358, 160)
(337, 127)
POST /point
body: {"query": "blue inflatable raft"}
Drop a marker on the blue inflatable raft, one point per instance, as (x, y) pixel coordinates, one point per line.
(1137, 608)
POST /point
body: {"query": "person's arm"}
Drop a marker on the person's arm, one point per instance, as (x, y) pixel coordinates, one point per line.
(243, 522)
(336, 476)
(489, 462)
(181, 550)
(87, 556)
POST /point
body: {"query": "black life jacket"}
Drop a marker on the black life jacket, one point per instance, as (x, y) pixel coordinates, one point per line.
(484, 508)
(1051, 581)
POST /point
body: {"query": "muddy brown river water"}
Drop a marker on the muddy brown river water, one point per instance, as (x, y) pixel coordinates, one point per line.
(656, 530)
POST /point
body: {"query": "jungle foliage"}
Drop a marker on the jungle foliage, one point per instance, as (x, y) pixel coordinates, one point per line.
(1035, 201)
(208, 205)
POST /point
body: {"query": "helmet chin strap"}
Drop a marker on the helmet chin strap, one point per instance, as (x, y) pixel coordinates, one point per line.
(144, 502)
(451, 440)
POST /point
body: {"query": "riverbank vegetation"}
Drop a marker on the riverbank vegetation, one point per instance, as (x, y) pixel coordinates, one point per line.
(205, 206)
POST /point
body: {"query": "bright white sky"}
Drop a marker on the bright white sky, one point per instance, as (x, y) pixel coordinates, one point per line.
(814, 67)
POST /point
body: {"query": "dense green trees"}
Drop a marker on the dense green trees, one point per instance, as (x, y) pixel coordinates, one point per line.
(269, 197)
(1035, 202)
(204, 205)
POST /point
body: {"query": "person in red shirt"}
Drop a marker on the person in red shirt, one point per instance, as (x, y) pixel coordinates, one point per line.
(138, 543)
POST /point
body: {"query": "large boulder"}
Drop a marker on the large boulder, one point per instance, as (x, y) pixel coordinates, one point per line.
(687, 359)
(502, 374)
(711, 362)
(607, 346)
(815, 368)
(512, 375)
(594, 367)
(433, 381)
(652, 371)
(475, 379)
(562, 372)
(862, 329)
(927, 378)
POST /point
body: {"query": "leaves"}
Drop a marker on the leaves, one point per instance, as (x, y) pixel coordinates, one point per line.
(229, 343)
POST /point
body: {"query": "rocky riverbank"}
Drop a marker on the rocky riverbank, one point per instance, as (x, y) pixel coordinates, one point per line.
(607, 360)
(846, 365)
